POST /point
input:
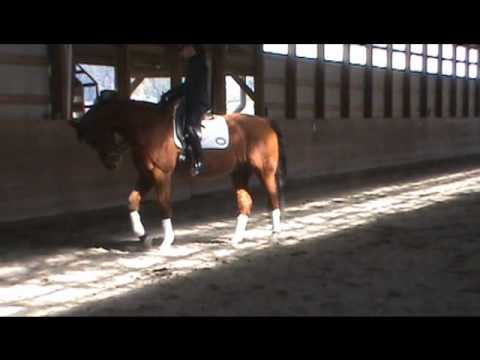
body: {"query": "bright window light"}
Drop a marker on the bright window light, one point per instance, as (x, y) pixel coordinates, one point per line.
(401, 47)
(281, 49)
(461, 69)
(416, 48)
(333, 52)
(447, 51)
(307, 50)
(416, 63)
(461, 53)
(358, 54)
(447, 67)
(472, 71)
(380, 45)
(398, 61)
(473, 55)
(432, 66)
(432, 49)
(379, 57)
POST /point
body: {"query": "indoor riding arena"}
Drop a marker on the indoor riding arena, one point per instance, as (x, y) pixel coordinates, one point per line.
(377, 145)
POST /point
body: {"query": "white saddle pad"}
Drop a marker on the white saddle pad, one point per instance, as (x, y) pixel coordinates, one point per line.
(215, 134)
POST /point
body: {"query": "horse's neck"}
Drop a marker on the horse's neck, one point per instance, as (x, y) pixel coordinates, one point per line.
(138, 130)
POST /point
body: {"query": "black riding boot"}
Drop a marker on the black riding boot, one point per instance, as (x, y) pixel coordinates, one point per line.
(194, 140)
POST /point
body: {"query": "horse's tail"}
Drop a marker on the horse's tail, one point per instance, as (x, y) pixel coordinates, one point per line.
(281, 173)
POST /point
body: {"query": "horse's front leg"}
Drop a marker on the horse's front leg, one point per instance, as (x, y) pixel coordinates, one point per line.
(142, 187)
(164, 191)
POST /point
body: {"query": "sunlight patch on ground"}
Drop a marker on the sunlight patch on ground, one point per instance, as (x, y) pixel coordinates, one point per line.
(63, 281)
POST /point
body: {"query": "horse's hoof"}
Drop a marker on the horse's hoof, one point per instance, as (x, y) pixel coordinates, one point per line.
(275, 237)
(165, 250)
(146, 241)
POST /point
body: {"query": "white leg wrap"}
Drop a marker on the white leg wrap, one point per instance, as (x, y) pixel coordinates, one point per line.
(168, 234)
(137, 225)
(276, 226)
(242, 221)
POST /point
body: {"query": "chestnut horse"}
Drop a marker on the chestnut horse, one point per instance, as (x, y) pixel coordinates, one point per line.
(113, 126)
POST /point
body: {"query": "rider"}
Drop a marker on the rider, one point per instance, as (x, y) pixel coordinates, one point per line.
(195, 91)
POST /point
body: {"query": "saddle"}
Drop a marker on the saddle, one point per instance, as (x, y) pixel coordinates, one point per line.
(214, 134)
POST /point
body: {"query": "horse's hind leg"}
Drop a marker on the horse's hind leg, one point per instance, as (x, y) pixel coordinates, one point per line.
(244, 201)
(142, 187)
(164, 190)
(269, 181)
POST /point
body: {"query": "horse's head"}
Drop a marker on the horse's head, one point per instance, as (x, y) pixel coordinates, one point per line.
(97, 130)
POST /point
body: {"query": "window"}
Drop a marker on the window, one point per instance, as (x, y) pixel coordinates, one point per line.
(399, 57)
(358, 54)
(104, 76)
(150, 89)
(432, 58)
(461, 61)
(447, 56)
(237, 99)
(447, 67)
(307, 50)
(333, 52)
(447, 51)
(432, 50)
(416, 57)
(472, 63)
(281, 49)
(432, 65)
(379, 55)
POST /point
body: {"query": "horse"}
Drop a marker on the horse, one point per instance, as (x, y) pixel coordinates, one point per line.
(114, 126)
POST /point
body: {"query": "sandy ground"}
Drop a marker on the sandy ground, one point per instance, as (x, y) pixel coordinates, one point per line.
(396, 242)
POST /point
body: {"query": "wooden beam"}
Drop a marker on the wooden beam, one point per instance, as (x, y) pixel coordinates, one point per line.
(466, 93)
(176, 69)
(320, 83)
(123, 72)
(136, 83)
(453, 86)
(388, 88)
(424, 85)
(23, 60)
(291, 83)
(345, 83)
(61, 69)
(24, 99)
(439, 86)
(219, 105)
(260, 109)
(406, 85)
(368, 85)
(477, 93)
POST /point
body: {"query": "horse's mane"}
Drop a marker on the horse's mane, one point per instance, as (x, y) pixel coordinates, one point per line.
(111, 97)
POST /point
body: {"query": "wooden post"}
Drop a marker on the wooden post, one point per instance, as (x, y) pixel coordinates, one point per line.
(368, 85)
(260, 109)
(219, 105)
(424, 85)
(439, 85)
(320, 83)
(477, 93)
(453, 85)
(388, 91)
(61, 66)
(123, 72)
(406, 85)
(345, 83)
(291, 84)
